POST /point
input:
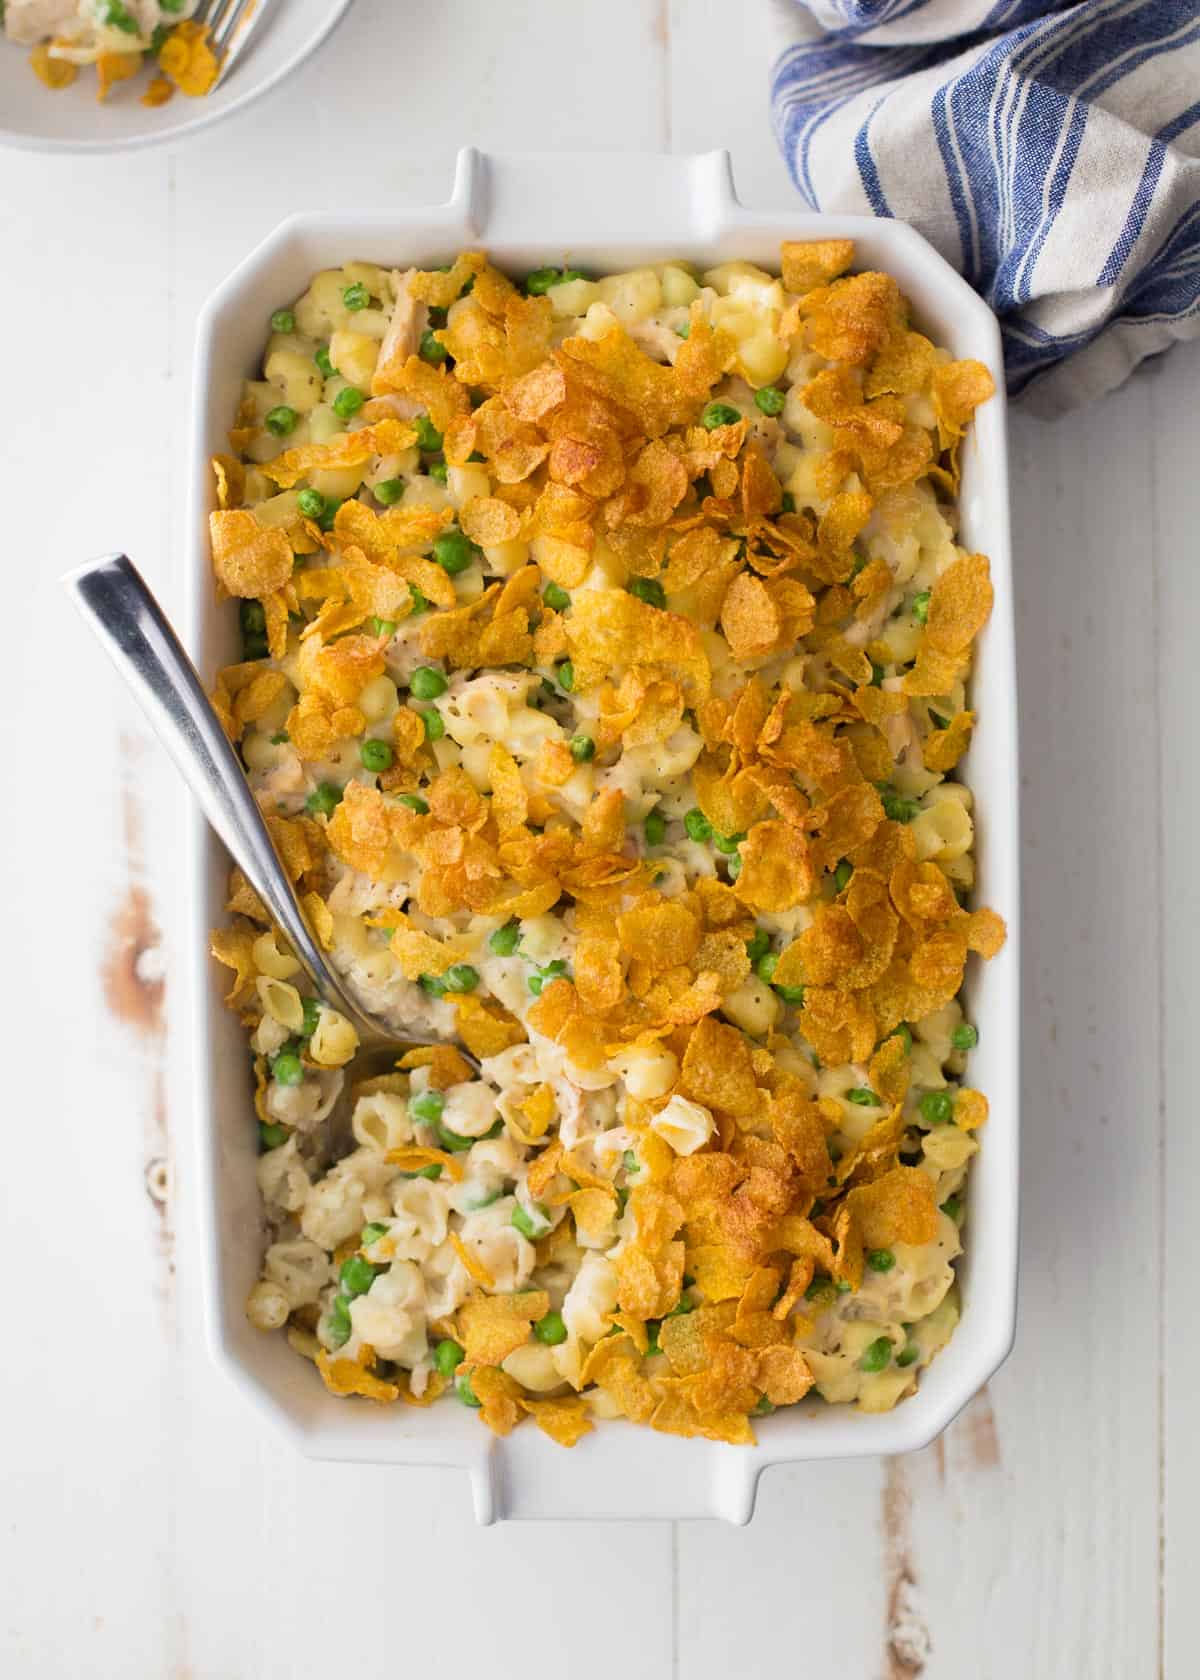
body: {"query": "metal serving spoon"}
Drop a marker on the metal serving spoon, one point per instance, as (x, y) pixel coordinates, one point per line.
(113, 597)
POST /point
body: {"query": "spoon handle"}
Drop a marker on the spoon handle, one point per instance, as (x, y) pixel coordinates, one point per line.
(114, 598)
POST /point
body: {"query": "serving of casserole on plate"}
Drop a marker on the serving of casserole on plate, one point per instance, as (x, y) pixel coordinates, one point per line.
(606, 624)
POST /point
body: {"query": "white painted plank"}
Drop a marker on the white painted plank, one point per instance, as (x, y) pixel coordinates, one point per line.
(718, 80)
(1177, 499)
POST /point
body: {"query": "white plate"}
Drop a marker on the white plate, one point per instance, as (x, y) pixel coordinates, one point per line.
(601, 213)
(73, 120)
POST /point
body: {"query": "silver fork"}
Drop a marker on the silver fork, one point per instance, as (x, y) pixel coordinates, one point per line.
(223, 19)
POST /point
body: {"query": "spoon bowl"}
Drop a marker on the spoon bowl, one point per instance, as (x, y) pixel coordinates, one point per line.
(121, 610)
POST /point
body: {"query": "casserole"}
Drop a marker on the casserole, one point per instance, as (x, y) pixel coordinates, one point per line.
(528, 212)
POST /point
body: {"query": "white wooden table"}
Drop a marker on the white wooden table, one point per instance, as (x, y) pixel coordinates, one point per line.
(151, 1526)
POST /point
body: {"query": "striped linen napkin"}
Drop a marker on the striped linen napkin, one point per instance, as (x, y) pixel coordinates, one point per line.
(1050, 151)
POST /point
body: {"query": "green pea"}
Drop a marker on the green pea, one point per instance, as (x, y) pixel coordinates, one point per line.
(434, 727)
(878, 1356)
(682, 1306)
(431, 984)
(791, 994)
(448, 1356)
(541, 280)
(531, 1223)
(253, 618)
(770, 400)
(312, 1017)
(117, 17)
(920, 606)
(898, 809)
(788, 505)
(630, 1162)
(684, 329)
(821, 1292)
(766, 965)
(439, 472)
(287, 1068)
(432, 349)
(550, 971)
(505, 940)
(283, 321)
(455, 1142)
(383, 626)
(356, 297)
(414, 802)
(965, 1036)
(937, 720)
(371, 1234)
(280, 739)
(332, 504)
(273, 1137)
(348, 402)
(427, 1106)
(937, 1108)
(762, 1407)
(842, 874)
(734, 866)
(904, 1033)
(555, 598)
(321, 357)
(460, 977)
(433, 1170)
(419, 603)
(453, 551)
(338, 1325)
(388, 491)
(428, 436)
(654, 828)
(426, 683)
(356, 1276)
(376, 756)
(863, 1096)
(324, 800)
(727, 843)
(881, 1259)
(565, 676)
(908, 1355)
(758, 946)
(254, 647)
(280, 421)
(462, 1387)
(648, 590)
(952, 1207)
(551, 1330)
(719, 414)
(877, 675)
(311, 504)
(697, 825)
(583, 748)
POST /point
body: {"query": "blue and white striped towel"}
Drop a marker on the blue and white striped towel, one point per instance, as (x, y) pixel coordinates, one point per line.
(1050, 151)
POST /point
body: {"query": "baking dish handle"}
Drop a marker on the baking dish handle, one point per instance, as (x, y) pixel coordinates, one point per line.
(534, 197)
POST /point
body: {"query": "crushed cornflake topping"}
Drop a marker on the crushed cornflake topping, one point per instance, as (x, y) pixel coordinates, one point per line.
(604, 652)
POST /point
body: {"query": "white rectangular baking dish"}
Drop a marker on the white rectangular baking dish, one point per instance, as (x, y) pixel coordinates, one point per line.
(603, 212)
